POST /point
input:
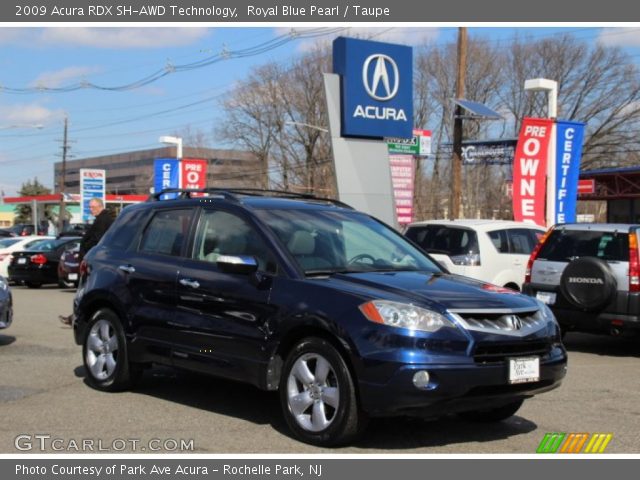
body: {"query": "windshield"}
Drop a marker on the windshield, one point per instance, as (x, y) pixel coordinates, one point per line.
(324, 242)
(7, 242)
(50, 245)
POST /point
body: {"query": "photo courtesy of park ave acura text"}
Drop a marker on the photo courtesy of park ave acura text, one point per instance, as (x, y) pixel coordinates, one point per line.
(317, 239)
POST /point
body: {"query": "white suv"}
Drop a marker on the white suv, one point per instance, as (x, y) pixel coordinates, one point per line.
(494, 251)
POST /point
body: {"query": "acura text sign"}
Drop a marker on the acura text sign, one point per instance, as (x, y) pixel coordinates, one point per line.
(376, 88)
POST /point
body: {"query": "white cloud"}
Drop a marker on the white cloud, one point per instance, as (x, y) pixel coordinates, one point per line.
(412, 36)
(619, 37)
(28, 114)
(63, 76)
(118, 38)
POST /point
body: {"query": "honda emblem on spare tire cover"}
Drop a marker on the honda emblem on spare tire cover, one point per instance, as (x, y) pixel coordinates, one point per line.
(588, 283)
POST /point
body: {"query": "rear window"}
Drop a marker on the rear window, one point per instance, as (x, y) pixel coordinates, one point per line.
(566, 245)
(443, 239)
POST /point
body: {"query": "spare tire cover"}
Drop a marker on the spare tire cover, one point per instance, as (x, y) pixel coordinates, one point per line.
(588, 283)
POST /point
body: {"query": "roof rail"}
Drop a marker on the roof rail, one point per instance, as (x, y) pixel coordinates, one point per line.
(234, 194)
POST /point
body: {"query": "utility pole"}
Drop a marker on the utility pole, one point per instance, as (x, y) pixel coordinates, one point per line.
(65, 149)
(456, 161)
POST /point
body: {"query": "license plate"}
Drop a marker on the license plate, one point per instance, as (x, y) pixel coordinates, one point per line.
(546, 297)
(524, 370)
(22, 261)
(73, 276)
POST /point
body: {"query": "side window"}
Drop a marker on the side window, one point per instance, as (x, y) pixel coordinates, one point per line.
(121, 234)
(499, 240)
(167, 232)
(223, 233)
(520, 241)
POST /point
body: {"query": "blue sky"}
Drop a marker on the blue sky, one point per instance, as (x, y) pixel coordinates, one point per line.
(103, 122)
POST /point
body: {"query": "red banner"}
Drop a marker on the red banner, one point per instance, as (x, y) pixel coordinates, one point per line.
(402, 176)
(193, 173)
(530, 171)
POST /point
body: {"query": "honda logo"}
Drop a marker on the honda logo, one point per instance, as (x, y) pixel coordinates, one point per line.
(381, 85)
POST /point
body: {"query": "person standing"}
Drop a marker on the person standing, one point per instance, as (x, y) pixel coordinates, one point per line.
(102, 222)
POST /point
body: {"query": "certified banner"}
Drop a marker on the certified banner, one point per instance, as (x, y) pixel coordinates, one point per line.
(569, 152)
(530, 169)
(166, 174)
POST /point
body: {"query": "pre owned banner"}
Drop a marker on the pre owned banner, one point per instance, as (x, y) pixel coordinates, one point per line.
(529, 170)
(569, 151)
(194, 173)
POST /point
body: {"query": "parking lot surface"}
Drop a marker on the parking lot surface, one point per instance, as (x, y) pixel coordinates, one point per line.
(43, 397)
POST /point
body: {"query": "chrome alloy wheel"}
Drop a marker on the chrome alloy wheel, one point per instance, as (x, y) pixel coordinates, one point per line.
(313, 393)
(102, 350)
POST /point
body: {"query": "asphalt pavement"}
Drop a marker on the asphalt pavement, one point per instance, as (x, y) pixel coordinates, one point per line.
(46, 406)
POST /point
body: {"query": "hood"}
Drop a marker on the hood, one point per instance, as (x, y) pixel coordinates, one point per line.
(436, 291)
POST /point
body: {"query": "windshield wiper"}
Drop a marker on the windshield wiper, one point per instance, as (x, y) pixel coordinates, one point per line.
(328, 271)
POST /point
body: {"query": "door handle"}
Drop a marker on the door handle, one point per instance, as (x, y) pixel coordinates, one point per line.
(127, 268)
(187, 282)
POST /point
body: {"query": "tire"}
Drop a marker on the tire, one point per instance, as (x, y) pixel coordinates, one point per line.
(588, 283)
(493, 414)
(104, 354)
(318, 396)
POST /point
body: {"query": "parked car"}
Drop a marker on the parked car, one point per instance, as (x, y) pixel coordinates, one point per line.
(494, 251)
(75, 230)
(39, 264)
(69, 267)
(589, 274)
(328, 306)
(13, 244)
(22, 230)
(6, 304)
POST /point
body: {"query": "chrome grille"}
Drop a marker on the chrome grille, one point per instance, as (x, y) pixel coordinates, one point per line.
(508, 322)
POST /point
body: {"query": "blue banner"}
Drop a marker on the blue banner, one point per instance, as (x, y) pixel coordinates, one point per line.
(166, 174)
(568, 154)
(376, 88)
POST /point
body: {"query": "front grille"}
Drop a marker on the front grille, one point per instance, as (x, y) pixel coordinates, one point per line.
(498, 352)
(502, 322)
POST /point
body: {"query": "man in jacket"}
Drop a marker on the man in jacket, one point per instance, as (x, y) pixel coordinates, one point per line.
(92, 236)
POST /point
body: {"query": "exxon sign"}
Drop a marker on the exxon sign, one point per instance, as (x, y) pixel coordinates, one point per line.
(376, 88)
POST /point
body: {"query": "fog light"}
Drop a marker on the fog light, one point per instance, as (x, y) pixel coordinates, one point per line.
(421, 379)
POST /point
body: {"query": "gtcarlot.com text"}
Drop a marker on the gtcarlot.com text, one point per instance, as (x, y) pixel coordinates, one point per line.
(46, 442)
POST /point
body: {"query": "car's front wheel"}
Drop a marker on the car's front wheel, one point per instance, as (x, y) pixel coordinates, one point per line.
(318, 395)
(493, 414)
(105, 354)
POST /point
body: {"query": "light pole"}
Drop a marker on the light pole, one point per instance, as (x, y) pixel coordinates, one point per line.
(177, 141)
(551, 88)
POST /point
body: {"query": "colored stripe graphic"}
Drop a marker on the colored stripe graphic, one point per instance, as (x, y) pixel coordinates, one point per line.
(574, 443)
(551, 442)
(598, 443)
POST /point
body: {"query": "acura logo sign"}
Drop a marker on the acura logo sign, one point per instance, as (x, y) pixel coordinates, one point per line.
(513, 322)
(384, 83)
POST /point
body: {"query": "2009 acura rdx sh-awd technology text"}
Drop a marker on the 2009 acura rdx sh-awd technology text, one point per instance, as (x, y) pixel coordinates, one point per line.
(339, 313)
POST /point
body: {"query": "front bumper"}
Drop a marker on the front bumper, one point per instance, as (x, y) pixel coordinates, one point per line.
(457, 388)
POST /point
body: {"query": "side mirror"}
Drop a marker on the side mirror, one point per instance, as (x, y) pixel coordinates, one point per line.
(242, 264)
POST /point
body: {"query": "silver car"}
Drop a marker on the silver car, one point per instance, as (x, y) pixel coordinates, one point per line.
(589, 275)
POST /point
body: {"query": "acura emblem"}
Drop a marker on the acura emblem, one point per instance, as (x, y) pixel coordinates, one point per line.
(382, 65)
(513, 322)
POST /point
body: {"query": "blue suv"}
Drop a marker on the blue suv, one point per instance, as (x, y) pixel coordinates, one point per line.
(340, 314)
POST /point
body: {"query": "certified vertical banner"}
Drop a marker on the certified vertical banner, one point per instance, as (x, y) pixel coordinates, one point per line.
(569, 152)
(166, 174)
(530, 170)
(92, 185)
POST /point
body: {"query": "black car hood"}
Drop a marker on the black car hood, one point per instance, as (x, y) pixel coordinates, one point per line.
(437, 291)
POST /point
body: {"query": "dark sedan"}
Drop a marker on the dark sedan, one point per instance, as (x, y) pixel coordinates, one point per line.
(39, 265)
(6, 304)
(68, 267)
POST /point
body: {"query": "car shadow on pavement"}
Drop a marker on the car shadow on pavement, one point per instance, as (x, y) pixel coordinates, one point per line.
(245, 402)
(6, 340)
(602, 344)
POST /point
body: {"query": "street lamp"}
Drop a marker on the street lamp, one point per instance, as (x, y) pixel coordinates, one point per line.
(177, 141)
(551, 88)
(313, 127)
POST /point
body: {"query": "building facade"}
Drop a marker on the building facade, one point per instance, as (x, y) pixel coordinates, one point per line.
(132, 173)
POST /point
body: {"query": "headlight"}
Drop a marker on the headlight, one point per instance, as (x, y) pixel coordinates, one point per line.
(404, 315)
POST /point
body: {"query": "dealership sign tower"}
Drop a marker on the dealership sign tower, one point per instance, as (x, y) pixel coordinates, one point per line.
(369, 97)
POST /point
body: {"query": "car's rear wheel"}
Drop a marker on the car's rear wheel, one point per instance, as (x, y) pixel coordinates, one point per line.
(493, 414)
(105, 356)
(318, 396)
